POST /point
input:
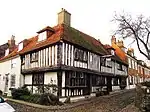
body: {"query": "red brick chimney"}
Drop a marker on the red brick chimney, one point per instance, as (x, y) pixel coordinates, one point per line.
(11, 43)
(113, 40)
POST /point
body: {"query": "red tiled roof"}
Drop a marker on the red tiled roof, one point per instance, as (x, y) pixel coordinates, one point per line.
(115, 57)
(67, 33)
(107, 46)
(26, 42)
(13, 53)
(121, 54)
(46, 28)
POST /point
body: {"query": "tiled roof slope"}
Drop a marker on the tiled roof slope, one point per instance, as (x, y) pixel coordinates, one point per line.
(15, 52)
(12, 54)
(115, 57)
(2, 49)
(119, 52)
(72, 35)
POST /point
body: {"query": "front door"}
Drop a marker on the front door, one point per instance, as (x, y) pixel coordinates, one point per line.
(109, 84)
(87, 90)
(6, 83)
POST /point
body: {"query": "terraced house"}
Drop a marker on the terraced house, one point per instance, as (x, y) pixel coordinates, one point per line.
(133, 69)
(70, 59)
(10, 65)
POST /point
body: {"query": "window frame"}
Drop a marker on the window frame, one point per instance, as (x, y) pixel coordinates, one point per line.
(13, 82)
(34, 57)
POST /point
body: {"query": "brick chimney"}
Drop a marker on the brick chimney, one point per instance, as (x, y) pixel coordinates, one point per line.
(113, 40)
(64, 17)
(11, 44)
(120, 43)
(130, 51)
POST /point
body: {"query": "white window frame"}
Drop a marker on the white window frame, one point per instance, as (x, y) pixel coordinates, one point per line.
(11, 81)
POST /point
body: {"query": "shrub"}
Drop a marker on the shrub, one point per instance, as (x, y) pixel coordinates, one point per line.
(17, 93)
(49, 99)
(45, 100)
(34, 98)
(24, 97)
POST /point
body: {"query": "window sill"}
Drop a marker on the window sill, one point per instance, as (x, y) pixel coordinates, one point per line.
(34, 61)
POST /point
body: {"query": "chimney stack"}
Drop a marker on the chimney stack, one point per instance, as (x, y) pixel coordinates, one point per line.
(11, 43)
(113, 40)
(130, 51)
(64, 17)
(120, 43)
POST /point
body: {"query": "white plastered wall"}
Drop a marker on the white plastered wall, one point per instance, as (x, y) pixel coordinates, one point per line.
(5, 68)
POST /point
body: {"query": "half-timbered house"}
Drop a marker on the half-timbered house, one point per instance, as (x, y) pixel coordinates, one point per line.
(119, 68)
(68, 58)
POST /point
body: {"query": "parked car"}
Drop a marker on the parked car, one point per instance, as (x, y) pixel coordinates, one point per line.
(5, 107)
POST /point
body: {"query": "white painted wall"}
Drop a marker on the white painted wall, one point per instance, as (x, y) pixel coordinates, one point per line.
(28, 79)
(5, 68)
(50, 78)
(63, 83)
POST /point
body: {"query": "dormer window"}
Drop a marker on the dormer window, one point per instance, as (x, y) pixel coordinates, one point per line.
(6, 52)
(45, 33)
(42, 36)
(112, 52)
(20, 46)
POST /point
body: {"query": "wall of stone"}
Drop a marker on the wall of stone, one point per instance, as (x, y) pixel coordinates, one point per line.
(142, 97)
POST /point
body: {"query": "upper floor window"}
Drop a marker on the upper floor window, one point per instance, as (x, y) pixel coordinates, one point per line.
(108, 62)
(80, 55)
(34, 57)
(22, 60)
(13, 63)
(133, 64)
(129, 61)
(119, 67)
(124, 68)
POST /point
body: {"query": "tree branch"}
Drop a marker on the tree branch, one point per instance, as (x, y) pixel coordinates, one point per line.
(147, 36)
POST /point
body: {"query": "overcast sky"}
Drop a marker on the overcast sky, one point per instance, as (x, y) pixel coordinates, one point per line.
(23, 18)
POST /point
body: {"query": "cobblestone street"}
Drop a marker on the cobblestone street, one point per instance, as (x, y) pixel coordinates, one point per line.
(115, 102)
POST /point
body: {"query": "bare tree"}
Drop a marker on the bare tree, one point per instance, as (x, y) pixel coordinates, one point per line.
(138, 29)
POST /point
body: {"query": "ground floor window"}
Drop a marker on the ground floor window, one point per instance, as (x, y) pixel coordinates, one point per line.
(115, 81)
(38, 83)
(13, 80)
(130, 80)
(99, 80)
(76, 79)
